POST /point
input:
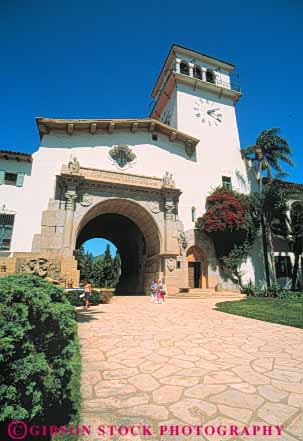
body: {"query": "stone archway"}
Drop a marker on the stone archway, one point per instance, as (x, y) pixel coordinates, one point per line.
(134, 232)
(197, 268)
(89, 200)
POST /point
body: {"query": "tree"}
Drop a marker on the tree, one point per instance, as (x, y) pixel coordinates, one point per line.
(98, 278)
(273, 205)
(233, 261)
(102, 271)
(108, 267)
(116, 268)
(85, 264)
(295, 235)
(269, 151)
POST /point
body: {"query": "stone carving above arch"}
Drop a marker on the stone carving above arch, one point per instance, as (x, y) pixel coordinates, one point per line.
(122, 156)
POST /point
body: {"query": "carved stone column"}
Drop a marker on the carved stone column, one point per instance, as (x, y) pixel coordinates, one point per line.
(169, 217)
(191, 69)
(203, 73)
(178, 61)
(71, 197)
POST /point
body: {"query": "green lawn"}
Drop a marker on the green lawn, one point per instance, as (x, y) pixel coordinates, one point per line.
(285, 312)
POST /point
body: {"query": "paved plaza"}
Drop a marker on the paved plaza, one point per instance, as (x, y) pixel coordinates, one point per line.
(185, 364)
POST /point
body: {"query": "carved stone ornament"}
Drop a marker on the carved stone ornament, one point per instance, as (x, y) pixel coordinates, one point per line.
(122, 155)
(182, 240)
(71, 197)
(87, 200)
(168, 180)
(74, 165)
(189, 148)
(41, 267)
(169, 208)
(155, 208)
(171, 264)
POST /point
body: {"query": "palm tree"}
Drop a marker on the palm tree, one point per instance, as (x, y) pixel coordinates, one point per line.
(295, 235)
(269, 151)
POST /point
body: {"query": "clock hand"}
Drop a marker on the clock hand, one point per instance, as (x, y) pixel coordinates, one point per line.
(212, 111)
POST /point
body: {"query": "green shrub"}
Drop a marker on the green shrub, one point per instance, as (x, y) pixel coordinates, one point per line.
(274, 291)
(74, 298)
(252, 290)
(38, 340)
(290, 295)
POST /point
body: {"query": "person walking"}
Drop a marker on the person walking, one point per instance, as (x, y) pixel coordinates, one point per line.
(153, 291)
(87, 294)
(160, 293)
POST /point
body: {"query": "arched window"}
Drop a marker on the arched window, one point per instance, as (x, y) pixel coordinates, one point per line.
(197, 72)
(210, 76)
(193, 214)
(184, 68)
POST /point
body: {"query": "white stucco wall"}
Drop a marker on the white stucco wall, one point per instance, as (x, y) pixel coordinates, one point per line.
(218, 154)
(170, 111)
(12, 197)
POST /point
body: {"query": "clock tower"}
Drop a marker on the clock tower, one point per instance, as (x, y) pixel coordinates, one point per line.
(195, 94)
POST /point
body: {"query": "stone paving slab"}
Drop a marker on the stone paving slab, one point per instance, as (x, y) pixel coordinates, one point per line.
(184, 364)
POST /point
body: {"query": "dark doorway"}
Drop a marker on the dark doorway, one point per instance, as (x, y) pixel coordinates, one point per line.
(194, 274)
(130, 243)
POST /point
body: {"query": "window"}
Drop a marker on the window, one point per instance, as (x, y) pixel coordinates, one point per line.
(283, 266)
(197, 72)
(226, 182)
(178, 264)
(8, 178)
(193, 214)
(6, 230)
(210, 76)
(184, 68)
(154, 137)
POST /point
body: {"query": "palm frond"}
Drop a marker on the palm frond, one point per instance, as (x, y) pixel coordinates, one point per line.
(282, 175)
(250, 150)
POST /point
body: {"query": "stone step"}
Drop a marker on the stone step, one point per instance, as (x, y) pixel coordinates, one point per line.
(209, 294)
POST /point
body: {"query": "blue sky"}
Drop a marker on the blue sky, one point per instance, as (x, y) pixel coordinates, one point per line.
(100, 59)
(97, 246)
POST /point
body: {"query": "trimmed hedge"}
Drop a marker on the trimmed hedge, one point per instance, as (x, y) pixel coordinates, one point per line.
(97, 297)
(39, 346)
(74, 297)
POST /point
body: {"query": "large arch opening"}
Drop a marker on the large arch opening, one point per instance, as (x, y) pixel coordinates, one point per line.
(134, 233)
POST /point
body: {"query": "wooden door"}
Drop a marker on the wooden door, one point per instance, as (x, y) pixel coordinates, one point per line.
(191, 274)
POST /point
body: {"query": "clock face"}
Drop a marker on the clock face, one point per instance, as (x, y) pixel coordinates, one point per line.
(208, 112)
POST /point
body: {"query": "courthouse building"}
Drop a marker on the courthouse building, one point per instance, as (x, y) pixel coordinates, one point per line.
(140, 183)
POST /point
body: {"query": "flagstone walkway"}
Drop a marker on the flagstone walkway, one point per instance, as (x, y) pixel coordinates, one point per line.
(183, 363)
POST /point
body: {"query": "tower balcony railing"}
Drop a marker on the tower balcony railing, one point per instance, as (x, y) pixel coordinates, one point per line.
(233, 84)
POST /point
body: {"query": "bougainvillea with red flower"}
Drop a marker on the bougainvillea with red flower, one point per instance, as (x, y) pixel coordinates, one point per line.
(226, 212)
(230, 219)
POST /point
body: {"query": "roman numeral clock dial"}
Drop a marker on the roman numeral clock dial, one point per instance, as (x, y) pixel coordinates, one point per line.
(208, 112)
